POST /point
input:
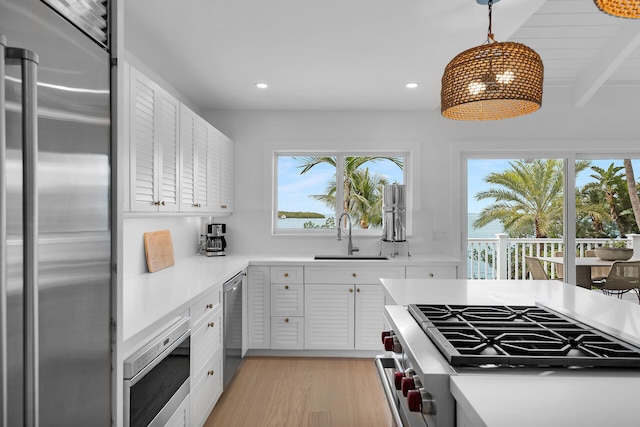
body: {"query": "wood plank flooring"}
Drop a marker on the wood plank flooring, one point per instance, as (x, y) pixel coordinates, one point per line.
(297, 392)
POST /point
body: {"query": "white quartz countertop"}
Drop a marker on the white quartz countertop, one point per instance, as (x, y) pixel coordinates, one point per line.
(149, 297)
(509, 400)
(569, 398)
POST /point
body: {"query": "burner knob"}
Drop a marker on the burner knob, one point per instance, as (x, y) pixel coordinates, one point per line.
(391, 343)
(386, 334)
(421, 401)
(397, 379)
(407, 384)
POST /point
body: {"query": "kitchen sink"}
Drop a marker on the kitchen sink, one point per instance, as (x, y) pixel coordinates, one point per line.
(352, 257)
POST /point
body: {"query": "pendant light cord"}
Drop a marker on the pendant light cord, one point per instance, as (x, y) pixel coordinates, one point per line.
(490, 38)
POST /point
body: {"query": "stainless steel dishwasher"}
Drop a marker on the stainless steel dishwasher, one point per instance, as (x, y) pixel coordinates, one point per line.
(232, 326)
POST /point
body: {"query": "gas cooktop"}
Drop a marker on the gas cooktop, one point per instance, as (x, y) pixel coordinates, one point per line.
(530, 336)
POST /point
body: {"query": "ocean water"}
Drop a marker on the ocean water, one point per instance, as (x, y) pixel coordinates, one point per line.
(490, 230)
(289, 223)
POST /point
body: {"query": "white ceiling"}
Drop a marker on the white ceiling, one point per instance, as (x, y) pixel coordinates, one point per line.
(359, 54)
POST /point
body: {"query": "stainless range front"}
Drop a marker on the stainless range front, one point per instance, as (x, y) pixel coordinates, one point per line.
(428, 344)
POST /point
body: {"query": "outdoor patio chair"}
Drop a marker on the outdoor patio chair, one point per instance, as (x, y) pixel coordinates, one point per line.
(559, 267)
(623, 277)
(536, 271)
(597, 273)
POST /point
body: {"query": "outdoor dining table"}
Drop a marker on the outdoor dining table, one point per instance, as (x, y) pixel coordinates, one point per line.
(583, 267)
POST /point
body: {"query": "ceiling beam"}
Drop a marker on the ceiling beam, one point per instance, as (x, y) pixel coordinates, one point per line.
(616, 51)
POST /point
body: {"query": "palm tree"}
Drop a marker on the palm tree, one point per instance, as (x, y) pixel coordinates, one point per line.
(352, 165)
(632, 188)
(366, 199)
(611, 183)
(528, 197)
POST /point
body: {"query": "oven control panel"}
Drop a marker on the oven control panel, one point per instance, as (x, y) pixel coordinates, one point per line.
(143, 357)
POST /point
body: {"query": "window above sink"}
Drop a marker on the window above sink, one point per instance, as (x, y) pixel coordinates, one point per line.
(311, 189)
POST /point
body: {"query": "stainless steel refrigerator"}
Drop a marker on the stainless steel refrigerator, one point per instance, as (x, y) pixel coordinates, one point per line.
(55, 227)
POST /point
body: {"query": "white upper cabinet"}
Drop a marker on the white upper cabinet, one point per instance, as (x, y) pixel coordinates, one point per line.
(221, 180)
(178, 162)
(194, 162)
(153, 146)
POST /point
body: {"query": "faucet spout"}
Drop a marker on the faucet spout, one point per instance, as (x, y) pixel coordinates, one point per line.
(350, 248)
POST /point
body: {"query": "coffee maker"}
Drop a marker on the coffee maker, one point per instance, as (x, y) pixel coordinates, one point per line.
(212, 242)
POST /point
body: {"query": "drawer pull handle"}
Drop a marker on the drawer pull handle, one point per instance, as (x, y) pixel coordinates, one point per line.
(286, 274)
(286, 286)
(210, 372)
(286, 320)
(354, 275)
(209, 305)
(211, 324)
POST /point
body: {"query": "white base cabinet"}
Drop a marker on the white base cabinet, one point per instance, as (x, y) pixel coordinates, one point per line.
(329, 317)
(206, 355)
(259, 307)
(180, 418)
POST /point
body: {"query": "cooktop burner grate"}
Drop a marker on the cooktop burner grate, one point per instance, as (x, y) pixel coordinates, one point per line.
(519, 336)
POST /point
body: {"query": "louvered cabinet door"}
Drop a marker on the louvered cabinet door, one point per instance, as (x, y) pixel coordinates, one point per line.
(187, 159)
(215, 170)
(153, 146)
(226, 175)
(201, 183)
(167, 141)
(369, 320)
(259, 307)
(329, 317)
(143, 153)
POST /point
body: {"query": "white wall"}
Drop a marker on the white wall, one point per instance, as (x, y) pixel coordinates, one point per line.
(437, 146)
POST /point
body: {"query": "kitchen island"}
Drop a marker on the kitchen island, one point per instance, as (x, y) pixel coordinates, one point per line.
(513, 396)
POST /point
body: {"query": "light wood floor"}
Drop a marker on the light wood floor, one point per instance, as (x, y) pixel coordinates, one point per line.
(296, 392)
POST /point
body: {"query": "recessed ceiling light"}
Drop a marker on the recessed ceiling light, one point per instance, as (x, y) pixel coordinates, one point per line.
(262, 85)
(412, 85)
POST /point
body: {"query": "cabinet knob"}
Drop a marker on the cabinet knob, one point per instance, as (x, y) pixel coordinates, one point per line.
(197, 205)
(223, 206)
(351, 290)
(211, 372)
(354, 275)
(156, 203)
(209, 305)
(211, 324)
(286, 286)
(286, 274)
(358, 290)
(430, 274)
(286, 320)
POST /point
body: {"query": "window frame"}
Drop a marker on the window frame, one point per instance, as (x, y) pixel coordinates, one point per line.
(339, 154)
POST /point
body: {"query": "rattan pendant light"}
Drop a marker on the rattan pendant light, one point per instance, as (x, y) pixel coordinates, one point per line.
(621, 8)
(493, 81)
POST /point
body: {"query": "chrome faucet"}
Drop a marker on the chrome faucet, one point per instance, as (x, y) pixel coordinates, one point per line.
(350, 248)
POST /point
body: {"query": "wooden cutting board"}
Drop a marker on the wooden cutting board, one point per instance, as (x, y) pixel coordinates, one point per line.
(158, 248)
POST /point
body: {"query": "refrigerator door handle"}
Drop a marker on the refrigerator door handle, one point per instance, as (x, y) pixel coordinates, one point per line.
(3, 244)
(28, 61)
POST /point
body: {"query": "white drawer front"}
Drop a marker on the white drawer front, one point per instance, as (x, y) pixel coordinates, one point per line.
(287, 332)
(206, 341)
(206, 390)
(286, 274)
(287, 300)
(431, 272)
(207, 304)
(355, 274)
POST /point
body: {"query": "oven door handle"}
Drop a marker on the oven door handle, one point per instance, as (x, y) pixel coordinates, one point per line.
(388, 393)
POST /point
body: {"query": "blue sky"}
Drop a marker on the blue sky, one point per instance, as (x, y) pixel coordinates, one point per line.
(294, 189)
(483, 167)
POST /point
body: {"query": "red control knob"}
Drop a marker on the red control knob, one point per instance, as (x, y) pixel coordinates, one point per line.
(414, 400)
(385, 334)
(407, 384)
(397, 379)
(388, 343)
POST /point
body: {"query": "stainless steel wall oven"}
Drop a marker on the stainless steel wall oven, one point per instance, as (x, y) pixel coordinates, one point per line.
(156, 378)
